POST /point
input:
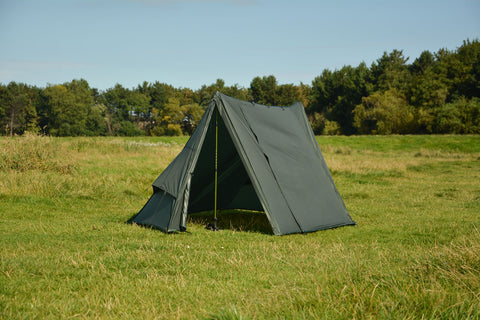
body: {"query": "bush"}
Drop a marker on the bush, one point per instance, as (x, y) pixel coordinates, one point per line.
(127, 128)
(459, 116)
(331, 128)
(317, 121)
(447, 119)
(385, 113)
(173, 130)
(167, 130)
(157, 131)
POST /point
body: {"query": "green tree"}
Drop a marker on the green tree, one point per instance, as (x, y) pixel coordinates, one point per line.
(205, 93)
(467, 70)
(116, 100)
(61, 112)
(317, 122)
(96, 123)
(266, 91)
(461, 116)
(157, 93)
(175, 119)
(237, 92)
(305, 94)
(428, 91)
(139, 106)
(385, 112)
(445, 69)
(423, 63)
(17, 108)
(391, 72)
(287, 94)
(193, 114)
(335, 95)
(263, 90)
(68, 107)
(124, 106)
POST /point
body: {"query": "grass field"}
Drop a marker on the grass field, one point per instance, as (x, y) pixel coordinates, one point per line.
(66, 251)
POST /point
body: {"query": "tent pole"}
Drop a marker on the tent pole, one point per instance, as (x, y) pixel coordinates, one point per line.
(216, 172)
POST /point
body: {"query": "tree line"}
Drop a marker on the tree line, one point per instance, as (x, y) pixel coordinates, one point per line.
(436, 93)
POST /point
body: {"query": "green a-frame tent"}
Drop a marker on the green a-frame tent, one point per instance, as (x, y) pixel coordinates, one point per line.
(267, 159)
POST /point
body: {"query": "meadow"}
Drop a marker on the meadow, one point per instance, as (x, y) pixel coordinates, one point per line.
(66, 250)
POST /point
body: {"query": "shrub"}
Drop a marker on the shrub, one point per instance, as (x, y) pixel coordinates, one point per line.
(127, 128)
(459, 116)
(173, 130)
(331, 128)
(385, 113)
(317, 121)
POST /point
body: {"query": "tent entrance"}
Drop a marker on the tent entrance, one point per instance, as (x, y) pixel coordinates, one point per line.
(235, 190)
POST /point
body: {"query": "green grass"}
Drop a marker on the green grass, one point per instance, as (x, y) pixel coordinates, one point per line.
(66, 251)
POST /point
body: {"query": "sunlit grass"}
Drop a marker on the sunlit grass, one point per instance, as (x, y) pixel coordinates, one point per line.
(66, 251)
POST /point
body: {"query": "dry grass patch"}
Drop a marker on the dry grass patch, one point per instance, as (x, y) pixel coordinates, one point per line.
(345, 159)
(32, 152)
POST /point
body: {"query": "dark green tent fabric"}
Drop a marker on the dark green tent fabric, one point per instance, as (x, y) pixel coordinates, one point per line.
(268, 160)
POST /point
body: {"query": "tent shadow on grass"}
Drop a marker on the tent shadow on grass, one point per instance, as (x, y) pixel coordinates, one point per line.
(236, 220)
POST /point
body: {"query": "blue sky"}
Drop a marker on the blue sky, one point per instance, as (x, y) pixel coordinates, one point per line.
(189, 43)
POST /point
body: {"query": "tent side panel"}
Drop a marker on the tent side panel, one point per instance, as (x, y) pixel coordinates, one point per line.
(299, 169)
(339, 204)
(173, 178)
(157, 211)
